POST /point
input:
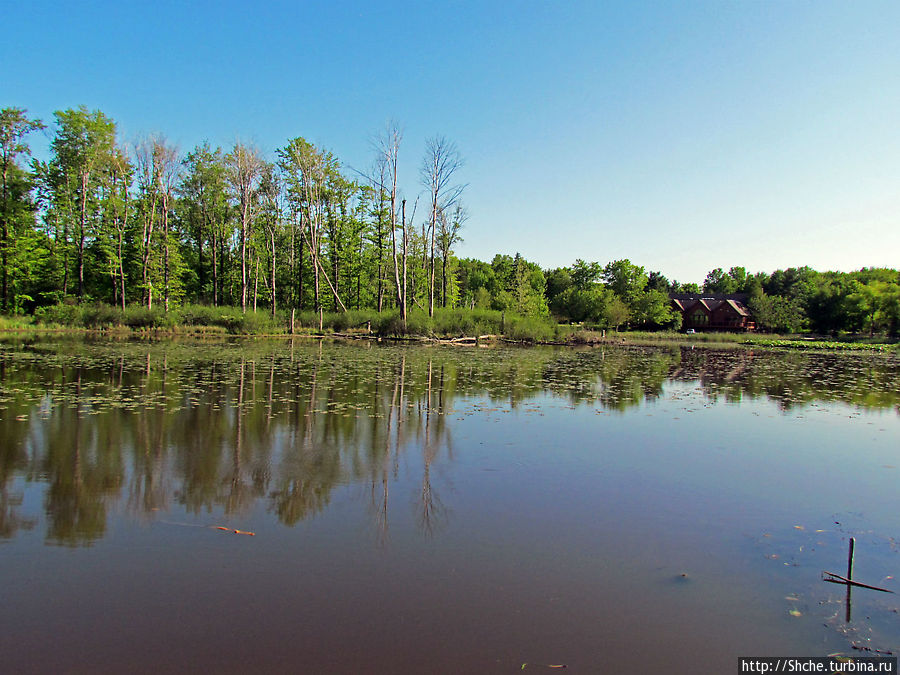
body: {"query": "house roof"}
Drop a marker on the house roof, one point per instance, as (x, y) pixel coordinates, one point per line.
(711, 302)
(739, 307)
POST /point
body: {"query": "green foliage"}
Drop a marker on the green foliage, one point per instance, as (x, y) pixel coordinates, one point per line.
(530, 328)
(719, 282)
(558, 281)
(521, 286)
(658, 282)
(616, 313)
(139, 317)
(101, 316)
(823, 344)
(585, 275)
(59, 315)
(582, 304)
(653, 309)
(16, 210)
(15, 323)
(776, 313)
(625, 279)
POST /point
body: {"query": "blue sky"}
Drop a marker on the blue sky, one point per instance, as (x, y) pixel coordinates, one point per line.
(683, 136)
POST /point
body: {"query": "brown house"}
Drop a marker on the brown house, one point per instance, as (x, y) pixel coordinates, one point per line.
(713, 312)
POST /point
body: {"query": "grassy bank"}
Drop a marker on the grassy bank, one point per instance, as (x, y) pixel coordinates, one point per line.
(202, 319)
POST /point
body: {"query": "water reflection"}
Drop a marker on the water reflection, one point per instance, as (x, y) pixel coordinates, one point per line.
(228, 426)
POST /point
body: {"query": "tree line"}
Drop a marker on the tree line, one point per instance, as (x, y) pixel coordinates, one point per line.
(786, 301)
(146, 224)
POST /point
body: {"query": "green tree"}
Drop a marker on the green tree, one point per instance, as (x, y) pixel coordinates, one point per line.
(658, 282)
(558, 281)
(616, 312)
(309, 174)
(82, 145)
(589, 304)
(207, 217)
(717, 281)
(449, 225)
(776, 313)
(888, 296)
(521, 286)
(652, 309)
(116, 181)
(14, 201)
(625, 279)
(244, 165)
(477, 282)
(584, 274)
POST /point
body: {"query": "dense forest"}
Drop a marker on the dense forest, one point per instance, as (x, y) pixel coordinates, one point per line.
(102, 223)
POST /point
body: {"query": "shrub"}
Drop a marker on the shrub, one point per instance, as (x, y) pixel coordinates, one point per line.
(140, 317)
(529, 328)
(101, 316)
(63, 314)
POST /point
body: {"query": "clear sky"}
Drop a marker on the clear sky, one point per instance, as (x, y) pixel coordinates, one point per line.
(681, 135)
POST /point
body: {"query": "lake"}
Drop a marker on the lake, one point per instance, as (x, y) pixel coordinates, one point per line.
(329, 507)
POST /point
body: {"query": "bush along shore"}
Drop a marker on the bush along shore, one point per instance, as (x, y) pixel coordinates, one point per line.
(461, 326)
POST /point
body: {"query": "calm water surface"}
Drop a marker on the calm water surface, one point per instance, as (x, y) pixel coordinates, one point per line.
(440, 510)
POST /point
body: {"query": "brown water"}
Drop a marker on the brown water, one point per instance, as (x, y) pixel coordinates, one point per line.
(440, 510)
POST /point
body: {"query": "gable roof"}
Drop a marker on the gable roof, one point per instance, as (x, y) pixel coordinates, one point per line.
(739, 307)
(711, 302)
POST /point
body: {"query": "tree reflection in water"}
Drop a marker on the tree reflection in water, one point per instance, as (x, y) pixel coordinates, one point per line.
(227, 426)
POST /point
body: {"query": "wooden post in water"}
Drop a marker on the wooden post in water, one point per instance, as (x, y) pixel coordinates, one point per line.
(850, 577)
(850, 559)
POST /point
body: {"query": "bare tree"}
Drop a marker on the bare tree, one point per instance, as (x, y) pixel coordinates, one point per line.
(170, 173)
(387, 145)
(442, 160)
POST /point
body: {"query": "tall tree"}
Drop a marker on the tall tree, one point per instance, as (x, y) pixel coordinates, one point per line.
(442, 160)
(205, 204)
(14, 126)
(585, 274)
(171, 169)
(245, 167)
(387, 145)
(626, 279)
(307, 172)
(270, 190)
(377, 180)
(117, 180)
(158, 166)
(83, 143)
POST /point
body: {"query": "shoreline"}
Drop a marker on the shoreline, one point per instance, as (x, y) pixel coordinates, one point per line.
(637, 338)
